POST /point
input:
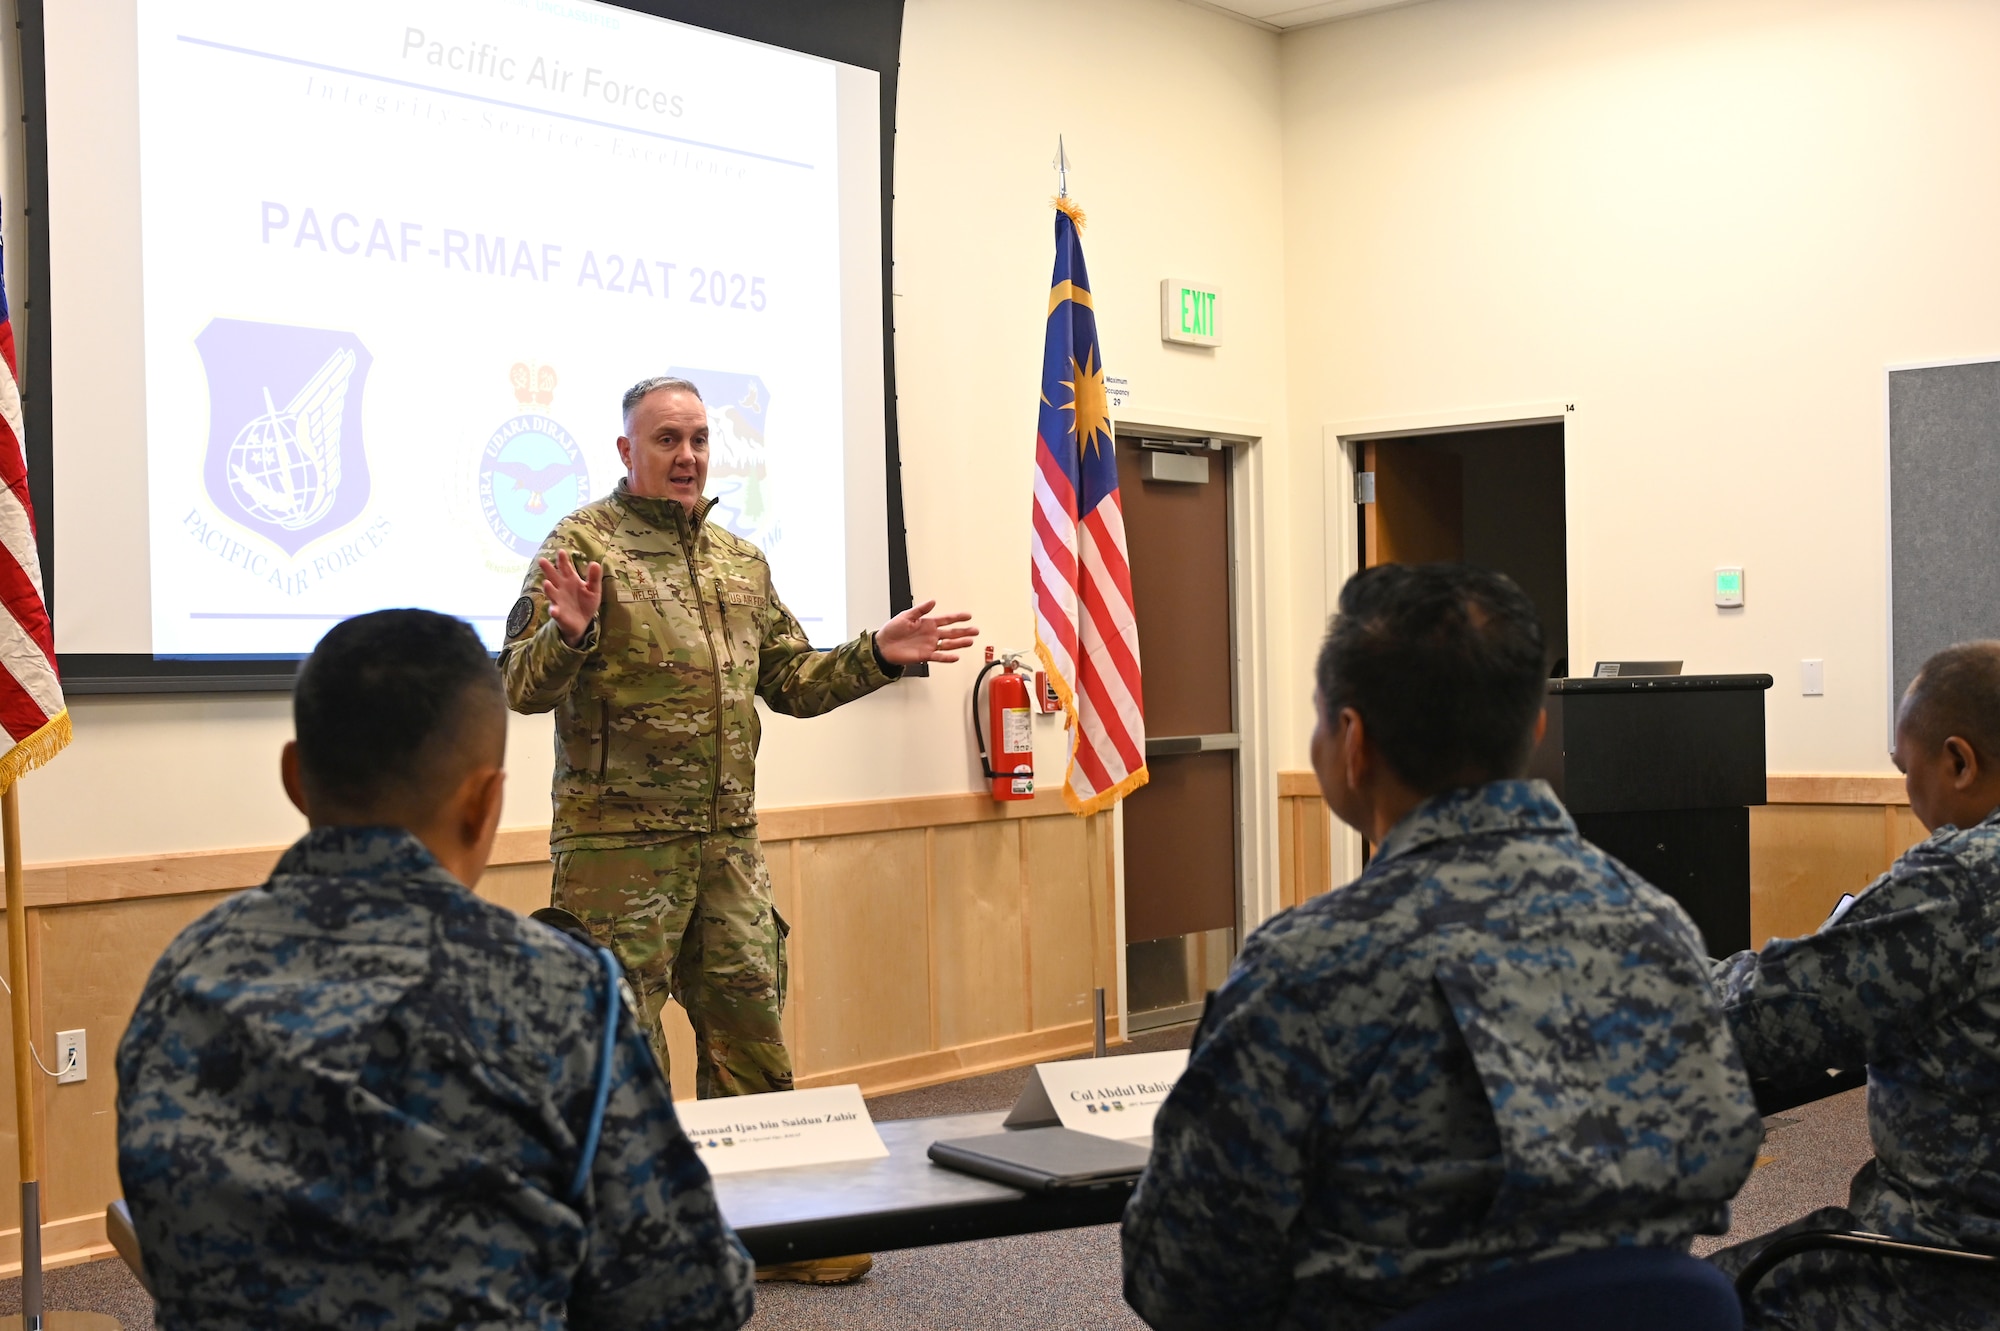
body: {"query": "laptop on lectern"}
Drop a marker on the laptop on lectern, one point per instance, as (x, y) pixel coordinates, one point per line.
(1628, 669)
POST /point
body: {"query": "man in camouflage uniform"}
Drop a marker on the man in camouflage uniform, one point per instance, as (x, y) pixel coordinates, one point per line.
(651, 649)
(359, 1095)
(1907, 981)
(1496, 1046)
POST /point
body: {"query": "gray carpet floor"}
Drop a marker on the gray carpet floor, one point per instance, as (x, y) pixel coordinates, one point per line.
(1810, 1154)
(1071, 1279)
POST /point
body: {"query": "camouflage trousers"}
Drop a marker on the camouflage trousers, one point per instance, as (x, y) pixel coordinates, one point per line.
(692, 918)
(1824, 1290)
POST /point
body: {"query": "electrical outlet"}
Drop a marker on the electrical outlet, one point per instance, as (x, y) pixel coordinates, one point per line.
(70, 1045)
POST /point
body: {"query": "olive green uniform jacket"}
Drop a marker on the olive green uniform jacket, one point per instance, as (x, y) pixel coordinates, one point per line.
(656, 720)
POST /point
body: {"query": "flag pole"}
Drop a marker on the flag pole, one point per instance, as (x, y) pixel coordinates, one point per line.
(27, 1126)
(26, 1129)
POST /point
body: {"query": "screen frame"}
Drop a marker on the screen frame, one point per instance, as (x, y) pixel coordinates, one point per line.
(864, 33)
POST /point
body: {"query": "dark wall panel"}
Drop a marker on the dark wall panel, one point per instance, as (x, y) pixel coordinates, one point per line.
(1944, 512)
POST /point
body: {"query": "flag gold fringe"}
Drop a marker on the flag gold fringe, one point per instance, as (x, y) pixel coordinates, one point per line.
(1103, 799)
(53, 737)
(1062, 203)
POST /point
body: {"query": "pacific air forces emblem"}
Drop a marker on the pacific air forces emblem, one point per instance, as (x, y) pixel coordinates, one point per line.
(285, 458)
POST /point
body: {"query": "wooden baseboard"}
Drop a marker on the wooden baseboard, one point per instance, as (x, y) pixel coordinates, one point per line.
(1298, 785)
(70, 1241)
(1835, 788)
(899, 815)
(129, 877)
(1779, 787)
(77, 882)
(967, 1060)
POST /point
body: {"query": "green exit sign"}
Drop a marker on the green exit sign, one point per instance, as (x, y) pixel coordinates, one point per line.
(1187, 312)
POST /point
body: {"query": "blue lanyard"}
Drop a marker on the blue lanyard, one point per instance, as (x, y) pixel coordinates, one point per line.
(606, 1056)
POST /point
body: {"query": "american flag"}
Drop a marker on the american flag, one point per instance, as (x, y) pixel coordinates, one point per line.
(31, 700)
(1085, 631)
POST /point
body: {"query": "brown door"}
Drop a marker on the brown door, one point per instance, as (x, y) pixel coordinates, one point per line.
(1418, 516)
(1180, 829)
(1494, 498)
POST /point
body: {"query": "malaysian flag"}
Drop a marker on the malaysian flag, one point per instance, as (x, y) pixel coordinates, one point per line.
(31, 700)
(1085, 632)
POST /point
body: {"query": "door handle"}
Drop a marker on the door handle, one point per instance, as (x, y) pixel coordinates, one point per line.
(1159, 746)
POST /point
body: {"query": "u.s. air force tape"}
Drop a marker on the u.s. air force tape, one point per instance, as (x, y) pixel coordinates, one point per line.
(522, 615)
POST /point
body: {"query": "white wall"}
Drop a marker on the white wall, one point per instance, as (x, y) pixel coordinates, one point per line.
(1158, 100)
(1710, 224)
(1170, 116)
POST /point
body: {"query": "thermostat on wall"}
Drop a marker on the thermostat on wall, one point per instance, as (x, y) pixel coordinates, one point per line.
(1729, 586)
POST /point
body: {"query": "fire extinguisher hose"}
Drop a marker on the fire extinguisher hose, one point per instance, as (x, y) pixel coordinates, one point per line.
(979, 731)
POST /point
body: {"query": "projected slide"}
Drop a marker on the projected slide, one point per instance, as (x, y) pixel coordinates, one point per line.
(401, 260)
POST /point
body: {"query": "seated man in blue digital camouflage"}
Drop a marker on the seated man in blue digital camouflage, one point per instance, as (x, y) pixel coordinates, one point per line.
(360, 1096)
(1904, 980)
(1496, 1046)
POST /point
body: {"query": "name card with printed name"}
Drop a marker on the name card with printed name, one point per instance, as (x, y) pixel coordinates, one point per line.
(1107, 1097)
(739, 1133)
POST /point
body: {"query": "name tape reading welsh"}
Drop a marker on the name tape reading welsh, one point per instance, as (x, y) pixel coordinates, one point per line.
(739, 1133)
(1107, 1097)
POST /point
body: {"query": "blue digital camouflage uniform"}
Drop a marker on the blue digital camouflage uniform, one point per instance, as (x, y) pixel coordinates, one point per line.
(355, 1097)
(1498, 1044)
(1908, 982)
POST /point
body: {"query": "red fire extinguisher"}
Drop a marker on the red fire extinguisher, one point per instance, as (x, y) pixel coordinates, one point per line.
(1009, 763)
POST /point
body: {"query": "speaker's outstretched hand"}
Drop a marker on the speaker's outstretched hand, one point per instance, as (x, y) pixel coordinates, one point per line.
(918, 635)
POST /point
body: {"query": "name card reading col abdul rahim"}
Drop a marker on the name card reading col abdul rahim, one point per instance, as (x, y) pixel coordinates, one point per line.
(1106, 1097)
(781, 1129)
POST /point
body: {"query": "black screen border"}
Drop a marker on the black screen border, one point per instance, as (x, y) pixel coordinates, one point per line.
(864, 33)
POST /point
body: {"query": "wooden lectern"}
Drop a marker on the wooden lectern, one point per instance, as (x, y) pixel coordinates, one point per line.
(1661, 771)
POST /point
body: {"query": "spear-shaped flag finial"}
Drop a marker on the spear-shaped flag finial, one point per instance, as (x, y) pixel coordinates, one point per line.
(1062, 201)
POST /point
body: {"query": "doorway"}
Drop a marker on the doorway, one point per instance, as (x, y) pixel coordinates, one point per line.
(1491, 497)
(1181, 829)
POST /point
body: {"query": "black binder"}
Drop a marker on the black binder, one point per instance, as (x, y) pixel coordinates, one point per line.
(1044, 1159)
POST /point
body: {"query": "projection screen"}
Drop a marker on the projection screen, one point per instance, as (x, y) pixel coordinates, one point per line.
(342, 298)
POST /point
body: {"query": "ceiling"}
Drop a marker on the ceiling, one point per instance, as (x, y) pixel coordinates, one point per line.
(1277, 15)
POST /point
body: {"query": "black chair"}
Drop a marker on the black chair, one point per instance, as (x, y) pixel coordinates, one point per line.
(1633, 1289)
(1774, 1097)
(1861, 1243)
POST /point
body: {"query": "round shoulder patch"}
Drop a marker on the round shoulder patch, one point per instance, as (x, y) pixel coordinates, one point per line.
(522, 615)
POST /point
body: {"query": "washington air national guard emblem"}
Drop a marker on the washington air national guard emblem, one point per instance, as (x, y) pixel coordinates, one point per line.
(285, 456)
(532, 472)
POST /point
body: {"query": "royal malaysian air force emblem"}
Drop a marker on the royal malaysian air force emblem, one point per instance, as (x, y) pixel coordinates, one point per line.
(531, 473)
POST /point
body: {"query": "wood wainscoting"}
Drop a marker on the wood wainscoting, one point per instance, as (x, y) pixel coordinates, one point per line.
(1305, 839)
(931, 938)
(1821, 836)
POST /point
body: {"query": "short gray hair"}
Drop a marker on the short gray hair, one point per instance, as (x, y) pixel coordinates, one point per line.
(1957, 692)
(659, 383)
